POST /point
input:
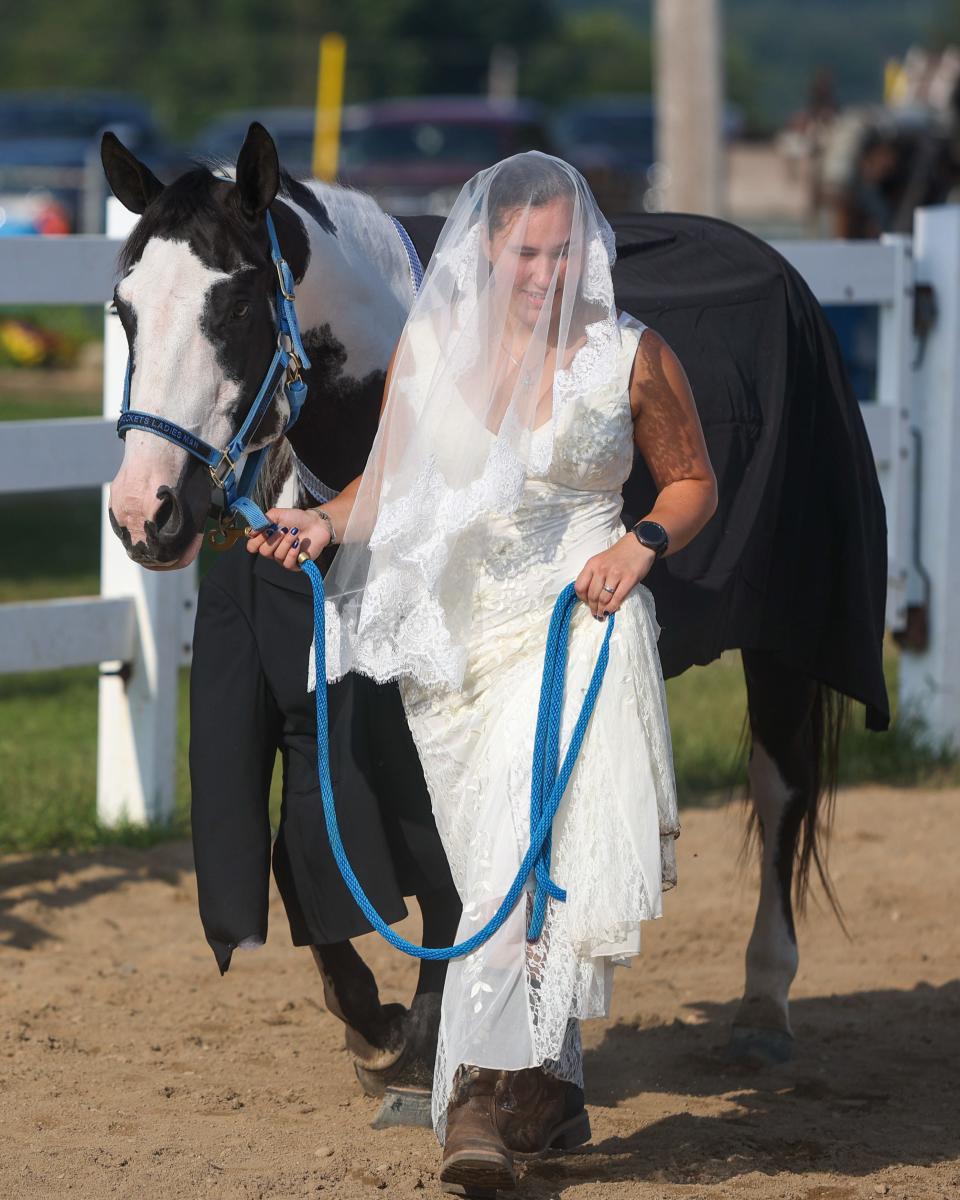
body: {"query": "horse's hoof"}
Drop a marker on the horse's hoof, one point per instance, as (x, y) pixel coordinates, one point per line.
(412, 1067)
(758, 1047)
(409, 1072)
(404, 1106)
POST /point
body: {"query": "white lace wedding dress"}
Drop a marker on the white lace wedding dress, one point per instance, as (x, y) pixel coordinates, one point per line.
(514, 1004)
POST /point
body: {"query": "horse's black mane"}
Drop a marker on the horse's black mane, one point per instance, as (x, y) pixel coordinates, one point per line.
(182, 207)
(192, 201)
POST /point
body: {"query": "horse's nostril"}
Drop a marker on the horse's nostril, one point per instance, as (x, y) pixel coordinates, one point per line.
(169, 516)
(164, 512)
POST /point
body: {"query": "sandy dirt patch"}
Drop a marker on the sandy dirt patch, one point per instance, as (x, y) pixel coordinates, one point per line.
(128, 1068)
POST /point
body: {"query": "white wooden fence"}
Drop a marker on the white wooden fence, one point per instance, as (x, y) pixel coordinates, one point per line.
(138, 629)
(140, 626)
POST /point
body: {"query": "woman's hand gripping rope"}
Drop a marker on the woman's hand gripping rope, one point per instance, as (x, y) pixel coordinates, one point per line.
(297, 532)
(609, 577)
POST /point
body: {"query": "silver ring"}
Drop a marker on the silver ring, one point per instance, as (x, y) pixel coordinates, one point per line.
(611, 590)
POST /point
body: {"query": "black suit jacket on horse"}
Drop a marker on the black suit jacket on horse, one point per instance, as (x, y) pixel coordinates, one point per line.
(249, 700)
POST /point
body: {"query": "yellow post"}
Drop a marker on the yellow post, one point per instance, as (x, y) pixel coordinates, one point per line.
(894, 82)
(326, 130)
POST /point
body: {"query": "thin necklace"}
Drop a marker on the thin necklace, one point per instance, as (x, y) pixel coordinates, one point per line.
(526, 377)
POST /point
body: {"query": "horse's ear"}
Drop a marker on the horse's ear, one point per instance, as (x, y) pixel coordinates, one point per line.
(131, 181)
(258, 172)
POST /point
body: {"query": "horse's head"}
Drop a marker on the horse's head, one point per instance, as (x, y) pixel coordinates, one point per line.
(196, 299)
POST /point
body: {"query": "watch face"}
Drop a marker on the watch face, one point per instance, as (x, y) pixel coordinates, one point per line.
(651, 534)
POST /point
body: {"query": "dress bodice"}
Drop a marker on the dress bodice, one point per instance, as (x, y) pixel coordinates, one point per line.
(579, 459)
(587, 444)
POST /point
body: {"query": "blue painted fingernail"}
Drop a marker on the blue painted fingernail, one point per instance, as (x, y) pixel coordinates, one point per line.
(294, 530)
(284, 529)
(296, 542)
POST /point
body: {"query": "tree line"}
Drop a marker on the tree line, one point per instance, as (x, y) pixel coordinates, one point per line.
(192, 59)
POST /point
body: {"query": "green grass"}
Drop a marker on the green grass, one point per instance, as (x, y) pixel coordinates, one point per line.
(707, 707)
(48, 764)
(27, 405)
(48, 721)
(48, 757)
(52, 546)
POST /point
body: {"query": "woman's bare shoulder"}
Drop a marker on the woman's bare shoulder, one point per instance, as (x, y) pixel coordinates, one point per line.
(655, 364)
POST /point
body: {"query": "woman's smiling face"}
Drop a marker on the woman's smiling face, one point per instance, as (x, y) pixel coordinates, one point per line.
(532, 245)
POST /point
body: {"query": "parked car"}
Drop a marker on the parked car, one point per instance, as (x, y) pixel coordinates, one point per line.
(291, 128)
(49, 143)
(612, 140)
(415, 155)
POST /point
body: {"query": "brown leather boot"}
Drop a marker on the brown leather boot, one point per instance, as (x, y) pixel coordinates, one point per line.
(537, 1112)
(475, 1160)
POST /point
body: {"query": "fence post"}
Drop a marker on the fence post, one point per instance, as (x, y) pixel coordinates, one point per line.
(137, 719)
(893, 399)
(930, 679)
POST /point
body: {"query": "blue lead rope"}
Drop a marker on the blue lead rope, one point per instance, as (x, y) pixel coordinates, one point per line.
(547, 787)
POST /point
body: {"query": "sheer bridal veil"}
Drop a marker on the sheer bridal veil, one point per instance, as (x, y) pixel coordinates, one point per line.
(518, 287)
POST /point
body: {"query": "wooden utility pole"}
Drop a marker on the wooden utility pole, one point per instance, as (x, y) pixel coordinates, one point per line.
(689, 96)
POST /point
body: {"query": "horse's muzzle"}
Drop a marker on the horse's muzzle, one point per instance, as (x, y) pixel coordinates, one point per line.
(171, 537)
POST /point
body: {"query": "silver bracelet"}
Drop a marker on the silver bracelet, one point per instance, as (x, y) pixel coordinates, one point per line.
(325, 516)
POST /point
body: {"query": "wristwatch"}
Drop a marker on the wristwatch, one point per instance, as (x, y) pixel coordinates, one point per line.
(652, 535)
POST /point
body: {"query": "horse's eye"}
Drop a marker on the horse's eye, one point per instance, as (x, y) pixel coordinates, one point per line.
(241, 308)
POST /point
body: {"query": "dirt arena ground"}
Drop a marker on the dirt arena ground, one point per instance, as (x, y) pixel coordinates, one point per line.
(130, 1069)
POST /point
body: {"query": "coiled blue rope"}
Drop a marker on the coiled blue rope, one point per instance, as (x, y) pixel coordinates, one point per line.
(547, 785)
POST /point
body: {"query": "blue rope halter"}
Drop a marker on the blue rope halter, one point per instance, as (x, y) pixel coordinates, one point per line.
(549, 782)
(289, 359)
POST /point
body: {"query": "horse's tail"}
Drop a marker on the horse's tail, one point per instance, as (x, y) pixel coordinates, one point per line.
(827, 718)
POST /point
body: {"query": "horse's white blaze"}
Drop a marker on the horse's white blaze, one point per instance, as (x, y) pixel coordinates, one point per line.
(772, 956)
(175, 375)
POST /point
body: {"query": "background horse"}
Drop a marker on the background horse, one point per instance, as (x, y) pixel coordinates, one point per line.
(791, 570)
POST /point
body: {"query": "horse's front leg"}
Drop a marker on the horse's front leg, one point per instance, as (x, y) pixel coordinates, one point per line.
(392, 1046)
(783, 779)
(374, 1032)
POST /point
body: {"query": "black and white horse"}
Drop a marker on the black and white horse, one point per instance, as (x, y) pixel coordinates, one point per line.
(195, 300)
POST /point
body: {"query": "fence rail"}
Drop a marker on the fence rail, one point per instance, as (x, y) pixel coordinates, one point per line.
(77, 632)
(79, 269)
(58, 456)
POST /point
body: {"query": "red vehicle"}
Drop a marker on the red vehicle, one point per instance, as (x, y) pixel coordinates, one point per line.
(415, 155)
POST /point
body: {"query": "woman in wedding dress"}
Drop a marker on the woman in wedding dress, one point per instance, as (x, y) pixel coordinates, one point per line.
(513, 407)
